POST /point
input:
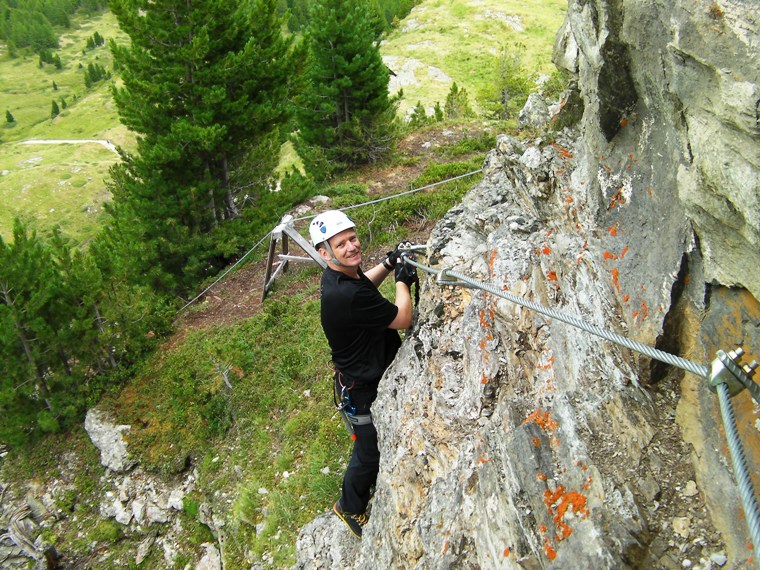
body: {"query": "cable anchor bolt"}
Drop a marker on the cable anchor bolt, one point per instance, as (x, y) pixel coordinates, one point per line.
(727, 369)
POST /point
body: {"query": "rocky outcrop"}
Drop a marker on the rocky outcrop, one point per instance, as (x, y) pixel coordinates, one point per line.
(107, 437)
(509, 440)
(687, 73)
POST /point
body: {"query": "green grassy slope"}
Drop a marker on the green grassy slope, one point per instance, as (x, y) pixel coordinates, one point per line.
(272, 427)
(461, 41)
(61, 184)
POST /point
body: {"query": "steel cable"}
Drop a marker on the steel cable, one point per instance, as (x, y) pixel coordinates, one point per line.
(666, 357)
(746, 489)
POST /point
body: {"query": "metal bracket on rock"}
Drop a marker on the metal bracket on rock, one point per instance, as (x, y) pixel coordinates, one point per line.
(726, 369)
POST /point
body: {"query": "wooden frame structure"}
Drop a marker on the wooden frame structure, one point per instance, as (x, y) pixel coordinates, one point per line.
(281, 233)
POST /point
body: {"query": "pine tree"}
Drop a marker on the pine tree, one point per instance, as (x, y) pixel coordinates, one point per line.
(438, 115)
(9, 118)
(202, 83)
(54, 110)
(419, 117)
(59, 327)
(345, 114)
(457, 104)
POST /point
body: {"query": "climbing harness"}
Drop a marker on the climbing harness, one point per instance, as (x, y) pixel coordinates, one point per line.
(347, 410)
(725, 375)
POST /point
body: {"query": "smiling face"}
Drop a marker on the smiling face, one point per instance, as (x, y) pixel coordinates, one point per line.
(347, 250)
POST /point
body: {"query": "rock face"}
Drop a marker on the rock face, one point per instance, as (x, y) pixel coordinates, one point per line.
(687, 72)
(511, 440)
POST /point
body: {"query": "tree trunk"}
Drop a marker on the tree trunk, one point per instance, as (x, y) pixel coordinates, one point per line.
(231, 211)
(99, 324)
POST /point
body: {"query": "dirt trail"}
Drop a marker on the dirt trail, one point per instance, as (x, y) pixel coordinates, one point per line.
(105, 143)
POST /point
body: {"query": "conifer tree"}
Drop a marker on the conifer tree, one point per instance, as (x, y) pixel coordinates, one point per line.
(54, 110)
(9, 118)
(202, 83)
(61, 324)
(345, 114)
(457, 104)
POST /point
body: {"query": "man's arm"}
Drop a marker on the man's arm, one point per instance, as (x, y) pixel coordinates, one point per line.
(403, 319)
(378, 273)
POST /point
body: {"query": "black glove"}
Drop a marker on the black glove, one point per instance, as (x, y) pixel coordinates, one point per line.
(406, 273)
(392, 257)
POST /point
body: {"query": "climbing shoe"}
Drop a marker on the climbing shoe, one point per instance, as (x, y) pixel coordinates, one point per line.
(354, 522)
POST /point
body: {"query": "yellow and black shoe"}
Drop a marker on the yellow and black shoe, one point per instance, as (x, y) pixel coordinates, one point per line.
(353, 521)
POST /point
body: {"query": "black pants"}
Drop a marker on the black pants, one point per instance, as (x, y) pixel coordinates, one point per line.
(364, 465)
(361, 472)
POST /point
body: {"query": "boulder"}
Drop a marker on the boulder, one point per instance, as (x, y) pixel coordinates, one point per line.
(535, 113)
(107, 437)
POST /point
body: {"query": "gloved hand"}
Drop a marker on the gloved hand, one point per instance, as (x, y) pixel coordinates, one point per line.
(406, 273)
(392, 257)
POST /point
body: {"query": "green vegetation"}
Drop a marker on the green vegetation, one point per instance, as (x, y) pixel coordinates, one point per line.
(433, 36)
(387, 13)
(201, 99)
(257, 397)
(32, 183)
(344, 113)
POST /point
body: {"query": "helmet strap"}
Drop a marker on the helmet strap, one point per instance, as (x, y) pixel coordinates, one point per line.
(332, 253)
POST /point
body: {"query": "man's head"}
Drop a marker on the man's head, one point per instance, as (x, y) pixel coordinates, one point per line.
(333, 235)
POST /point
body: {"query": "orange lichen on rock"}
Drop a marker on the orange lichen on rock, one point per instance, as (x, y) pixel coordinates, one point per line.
(608, 255)
(551, 554)
(613, 230)
(563, 152)
(536, 441)
(558, 502)
(542, 420)
(552, 275)
(507, 551)
(615, 278)
(617, 199)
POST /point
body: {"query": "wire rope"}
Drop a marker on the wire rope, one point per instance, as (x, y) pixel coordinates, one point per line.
(746, 490)
(223, 275)
(657, 354)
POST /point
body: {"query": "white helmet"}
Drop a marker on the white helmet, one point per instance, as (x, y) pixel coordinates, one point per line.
(327, 224)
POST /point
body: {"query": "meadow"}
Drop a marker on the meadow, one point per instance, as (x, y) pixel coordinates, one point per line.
(61, 184)
(445, 41)
(440, 42)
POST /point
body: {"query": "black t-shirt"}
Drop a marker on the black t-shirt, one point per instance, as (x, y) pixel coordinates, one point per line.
(355, 318)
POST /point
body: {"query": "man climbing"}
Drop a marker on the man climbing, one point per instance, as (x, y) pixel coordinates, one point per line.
(361, 328)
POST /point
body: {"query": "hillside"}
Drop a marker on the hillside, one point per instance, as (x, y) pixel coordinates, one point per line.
(232, 408)
(59, 184)
(509, 440)
(65, 184)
